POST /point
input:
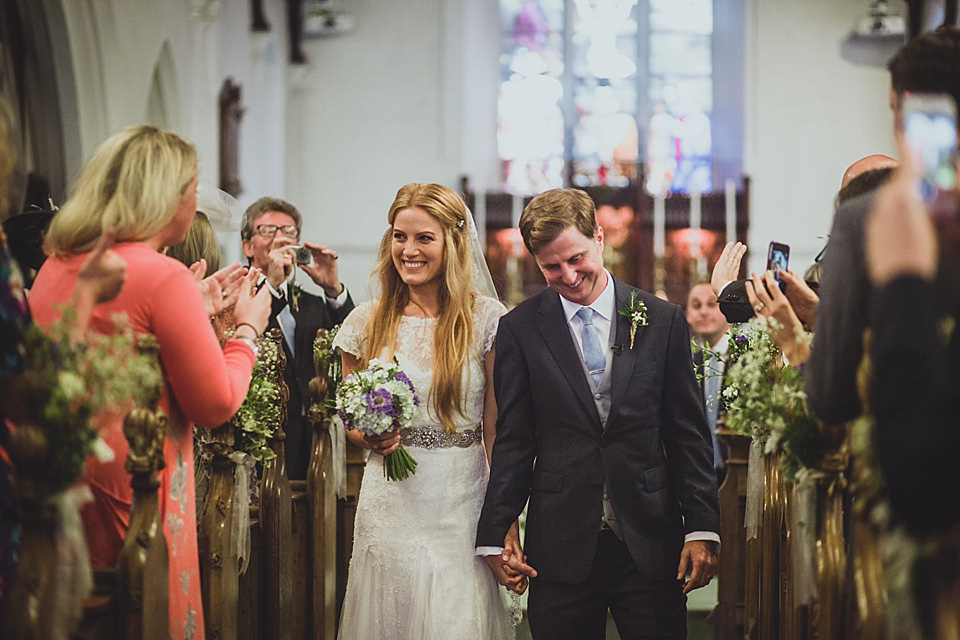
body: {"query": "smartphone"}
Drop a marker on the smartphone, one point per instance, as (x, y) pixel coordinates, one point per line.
(930, 129)
(304, 255)
(778, 256)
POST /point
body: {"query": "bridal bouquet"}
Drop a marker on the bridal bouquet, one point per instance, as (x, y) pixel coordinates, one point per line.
(376, 401)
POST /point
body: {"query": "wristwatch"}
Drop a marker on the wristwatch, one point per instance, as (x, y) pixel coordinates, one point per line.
(250, 341)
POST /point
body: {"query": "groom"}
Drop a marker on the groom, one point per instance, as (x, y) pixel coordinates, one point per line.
(606, 435)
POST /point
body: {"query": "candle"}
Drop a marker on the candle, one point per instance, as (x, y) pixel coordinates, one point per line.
(516, 209)
(695, 214)
(659, 225)
(730, 209)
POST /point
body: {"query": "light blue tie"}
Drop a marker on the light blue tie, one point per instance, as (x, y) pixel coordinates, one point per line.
(713, 373)
(592, 352)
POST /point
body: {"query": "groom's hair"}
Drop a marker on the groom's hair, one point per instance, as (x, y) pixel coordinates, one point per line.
(552, 212)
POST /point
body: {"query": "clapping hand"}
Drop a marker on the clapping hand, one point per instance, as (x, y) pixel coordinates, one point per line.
(727, 268)
(220, 290)
(323, 269)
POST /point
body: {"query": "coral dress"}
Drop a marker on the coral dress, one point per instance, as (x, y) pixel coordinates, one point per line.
(202, 384)
(414, 574)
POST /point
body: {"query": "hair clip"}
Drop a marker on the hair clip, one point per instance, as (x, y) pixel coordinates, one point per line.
(459, 223)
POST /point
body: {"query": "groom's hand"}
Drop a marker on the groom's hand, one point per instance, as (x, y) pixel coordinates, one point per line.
(700, 557)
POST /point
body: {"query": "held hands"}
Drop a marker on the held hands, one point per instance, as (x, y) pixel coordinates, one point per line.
(510, 568)
(323, 269)
(700, 557)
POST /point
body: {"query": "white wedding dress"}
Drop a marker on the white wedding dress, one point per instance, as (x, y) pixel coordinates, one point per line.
(414, 574)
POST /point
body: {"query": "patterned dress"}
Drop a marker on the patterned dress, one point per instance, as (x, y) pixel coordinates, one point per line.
(203, 385)
(14, 318)
(415, 574)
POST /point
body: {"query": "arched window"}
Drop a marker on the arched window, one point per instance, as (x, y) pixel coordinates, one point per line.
(590, 89)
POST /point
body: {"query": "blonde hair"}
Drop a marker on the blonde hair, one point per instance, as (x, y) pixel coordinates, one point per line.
(453, 334)
(132, 183)
(554, 211)
(200, 242)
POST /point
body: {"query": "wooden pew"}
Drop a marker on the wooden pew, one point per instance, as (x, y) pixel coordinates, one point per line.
(127, 602)
(142, 569)
(727, 617)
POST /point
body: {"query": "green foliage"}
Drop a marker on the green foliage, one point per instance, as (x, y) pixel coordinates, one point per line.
(765, 399)
(64, 386)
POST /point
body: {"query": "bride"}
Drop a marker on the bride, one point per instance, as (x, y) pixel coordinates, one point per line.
(414, 573)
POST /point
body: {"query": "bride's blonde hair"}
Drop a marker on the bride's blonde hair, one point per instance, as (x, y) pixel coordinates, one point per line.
(453, 334)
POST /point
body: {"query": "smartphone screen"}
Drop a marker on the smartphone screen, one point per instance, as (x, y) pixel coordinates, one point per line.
(930, 129)
(778, 257)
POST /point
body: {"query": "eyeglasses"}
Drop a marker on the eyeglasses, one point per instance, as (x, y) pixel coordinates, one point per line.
(270, 230)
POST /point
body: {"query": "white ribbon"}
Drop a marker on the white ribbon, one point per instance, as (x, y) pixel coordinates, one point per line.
(338, 456)
(803, 525)
(754, 506)
(74, 578)
(240, 505)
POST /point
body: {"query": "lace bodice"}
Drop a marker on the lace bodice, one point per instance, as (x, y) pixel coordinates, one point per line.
(414, 352)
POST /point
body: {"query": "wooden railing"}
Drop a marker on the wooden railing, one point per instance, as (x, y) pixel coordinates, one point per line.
(127, 602)
(289, 588)
(300, 539)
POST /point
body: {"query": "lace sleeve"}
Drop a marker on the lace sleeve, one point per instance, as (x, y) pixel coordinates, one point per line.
(350, 336)
(487, 315)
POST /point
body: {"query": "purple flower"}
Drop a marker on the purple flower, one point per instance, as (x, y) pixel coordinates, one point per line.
(740, 338)
(379, 400)
(402, 377)
(343, 419)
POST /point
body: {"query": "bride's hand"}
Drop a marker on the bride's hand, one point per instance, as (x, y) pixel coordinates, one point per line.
(515, 567)
(384, 444)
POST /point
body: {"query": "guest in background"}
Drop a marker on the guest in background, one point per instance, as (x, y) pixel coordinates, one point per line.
(929, 62)
(916, 364)
(99, 280)
(270, 230)
(142, 183)
(709, 329)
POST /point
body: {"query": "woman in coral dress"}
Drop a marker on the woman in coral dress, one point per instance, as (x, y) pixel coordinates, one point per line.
(142, 183)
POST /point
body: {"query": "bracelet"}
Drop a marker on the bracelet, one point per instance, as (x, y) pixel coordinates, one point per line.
(256, 334)
(250, 342)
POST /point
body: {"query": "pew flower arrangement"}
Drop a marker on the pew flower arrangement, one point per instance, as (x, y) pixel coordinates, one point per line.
(324, 351)
(765, 399)
(376, 401)
(261, 411)
(63, 386)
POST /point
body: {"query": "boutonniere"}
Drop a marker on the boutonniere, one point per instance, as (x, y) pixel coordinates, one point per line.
(636, 311)
(295, 291)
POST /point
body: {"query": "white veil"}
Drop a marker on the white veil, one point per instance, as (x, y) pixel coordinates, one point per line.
(482, 281)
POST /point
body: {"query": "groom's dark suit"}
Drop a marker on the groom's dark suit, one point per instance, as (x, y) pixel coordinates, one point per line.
(654, 452)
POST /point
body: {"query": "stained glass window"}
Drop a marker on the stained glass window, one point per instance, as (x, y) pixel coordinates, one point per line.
(581, 82)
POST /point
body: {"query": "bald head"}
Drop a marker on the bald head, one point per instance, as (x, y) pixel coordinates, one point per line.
(868, 163)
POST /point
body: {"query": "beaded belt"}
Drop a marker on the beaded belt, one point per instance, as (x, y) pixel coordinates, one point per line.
(435, 437)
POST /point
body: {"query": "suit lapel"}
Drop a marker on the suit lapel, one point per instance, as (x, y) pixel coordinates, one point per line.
(624, 358)
(556, 335)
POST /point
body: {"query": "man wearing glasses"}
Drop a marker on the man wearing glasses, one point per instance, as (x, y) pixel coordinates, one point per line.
(270, 234)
